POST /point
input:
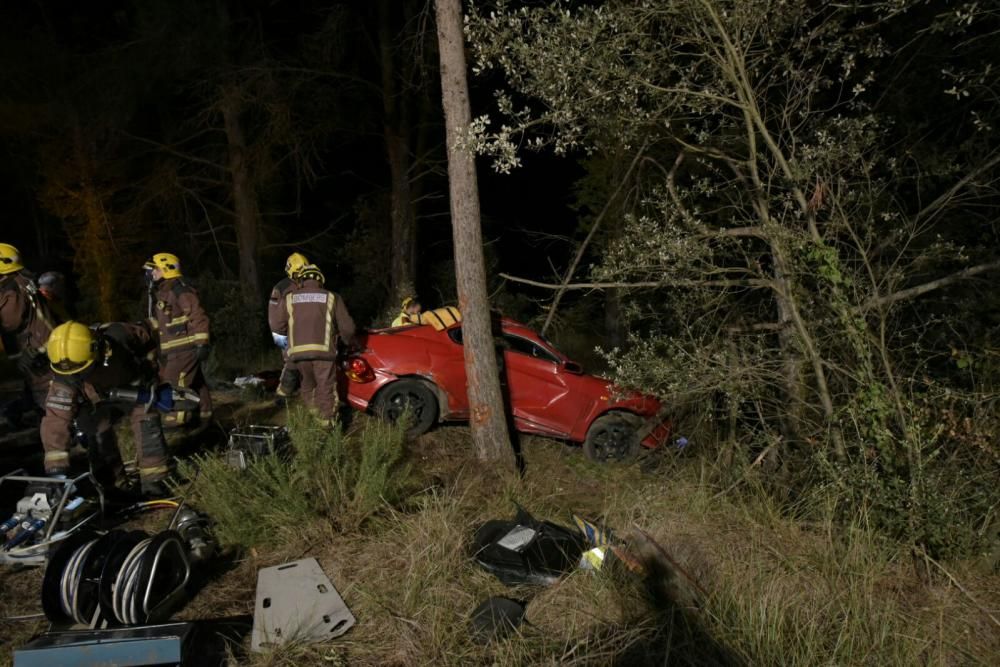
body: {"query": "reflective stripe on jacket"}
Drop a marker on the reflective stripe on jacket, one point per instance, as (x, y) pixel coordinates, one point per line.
(313, 318)
(178, 317)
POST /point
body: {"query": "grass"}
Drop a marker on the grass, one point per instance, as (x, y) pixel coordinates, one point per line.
(325, 475)
(390, 523)
(780, 591)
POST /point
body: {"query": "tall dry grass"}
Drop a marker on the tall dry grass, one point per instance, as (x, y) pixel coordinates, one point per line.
(781, 586)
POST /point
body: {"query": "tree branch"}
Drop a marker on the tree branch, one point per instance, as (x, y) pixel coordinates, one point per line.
(590, 235)
(919, 290)
(751, 283)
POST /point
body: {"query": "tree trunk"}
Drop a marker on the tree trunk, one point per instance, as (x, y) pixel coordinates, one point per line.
(244, 198)
(489, 426)
(95, 250)
(396, 131)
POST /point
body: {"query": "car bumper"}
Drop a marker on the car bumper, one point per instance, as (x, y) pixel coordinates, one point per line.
(657, 430)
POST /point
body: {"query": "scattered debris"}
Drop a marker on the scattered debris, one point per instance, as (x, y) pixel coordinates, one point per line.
(527, 551)
(496, 618)
(297, 602)
(268, 380)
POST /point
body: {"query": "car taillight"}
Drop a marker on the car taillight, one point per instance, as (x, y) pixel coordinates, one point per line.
(359, 371)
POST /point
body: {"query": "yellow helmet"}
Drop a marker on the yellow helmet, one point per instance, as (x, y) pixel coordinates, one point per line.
(10, 259)
(295, 263)
(72, 347)
(408, 301)
(169, 264)
(311, 271)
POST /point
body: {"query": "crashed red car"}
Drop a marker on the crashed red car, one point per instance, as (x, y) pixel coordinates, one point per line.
(421, 369)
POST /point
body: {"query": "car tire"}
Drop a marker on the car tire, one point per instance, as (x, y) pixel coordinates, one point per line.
(395, 399)
(612, 438)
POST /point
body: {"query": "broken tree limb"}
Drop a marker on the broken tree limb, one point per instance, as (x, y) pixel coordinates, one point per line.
(590, 235)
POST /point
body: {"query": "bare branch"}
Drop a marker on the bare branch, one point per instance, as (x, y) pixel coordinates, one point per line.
(745, 284)
(590, 235)
(919, 290)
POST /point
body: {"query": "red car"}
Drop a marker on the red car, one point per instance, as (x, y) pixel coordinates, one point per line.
(421, 368)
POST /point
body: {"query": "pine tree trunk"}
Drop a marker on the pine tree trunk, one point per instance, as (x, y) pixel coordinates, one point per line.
(395, 129)
(489, 426)
(244, 199)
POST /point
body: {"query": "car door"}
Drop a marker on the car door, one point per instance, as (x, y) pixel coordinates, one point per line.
(540, 394)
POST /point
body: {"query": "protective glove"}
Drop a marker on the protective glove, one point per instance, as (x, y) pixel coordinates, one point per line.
(156, 398)
(203, 351)
(164, 398)
(280, 341)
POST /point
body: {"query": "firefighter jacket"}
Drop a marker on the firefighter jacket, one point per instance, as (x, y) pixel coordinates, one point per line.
(176, 313)
(25, 318)
(276, 304)
(313, 319)
(122, 361)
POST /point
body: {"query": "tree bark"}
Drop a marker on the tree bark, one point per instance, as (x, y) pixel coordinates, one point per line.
(94, 248)
(489, 426)
(244, 198)
(396, 130)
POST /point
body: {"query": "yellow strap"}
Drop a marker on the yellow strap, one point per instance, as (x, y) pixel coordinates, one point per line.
(56, 456)
(154, 470)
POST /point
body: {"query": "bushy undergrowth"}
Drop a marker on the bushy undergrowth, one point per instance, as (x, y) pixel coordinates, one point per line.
(778, 589)
(327, 475)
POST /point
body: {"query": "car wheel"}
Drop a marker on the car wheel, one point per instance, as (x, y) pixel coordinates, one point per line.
(408, 395)
(612, 438)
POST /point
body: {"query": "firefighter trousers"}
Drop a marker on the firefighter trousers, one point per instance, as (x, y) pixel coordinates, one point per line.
(319, 387)
(290, 379)
(97, 427)
(182, 369)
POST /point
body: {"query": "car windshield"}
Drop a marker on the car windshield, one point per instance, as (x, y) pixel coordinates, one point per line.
(518, 344)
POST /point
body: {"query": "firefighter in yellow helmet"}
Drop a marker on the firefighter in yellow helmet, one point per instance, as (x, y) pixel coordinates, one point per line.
(409, 313)
(25, 321)
(290, 376)
(313, 318)
(182, 328)
(99, 375)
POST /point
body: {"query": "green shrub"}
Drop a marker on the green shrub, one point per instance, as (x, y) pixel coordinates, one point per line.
(342, 479)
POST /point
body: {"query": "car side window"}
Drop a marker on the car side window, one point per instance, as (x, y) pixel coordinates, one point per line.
(455, 334)
(530, 348)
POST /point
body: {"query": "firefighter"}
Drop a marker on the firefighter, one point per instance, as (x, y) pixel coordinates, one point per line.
(92, 368)
(182, 329)
(409, 313)
(313, 318)
(25, 322)
(290, 379)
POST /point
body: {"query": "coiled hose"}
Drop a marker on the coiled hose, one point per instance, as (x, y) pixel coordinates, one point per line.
(124, 577)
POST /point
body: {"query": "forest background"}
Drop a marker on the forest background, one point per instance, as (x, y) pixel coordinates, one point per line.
(778, 215)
